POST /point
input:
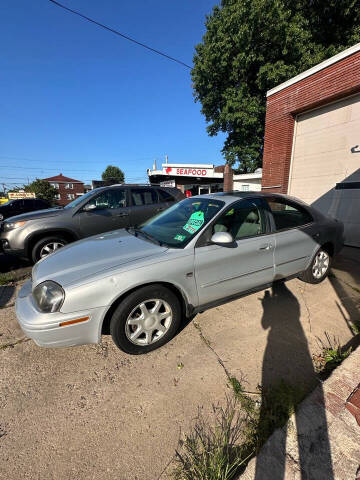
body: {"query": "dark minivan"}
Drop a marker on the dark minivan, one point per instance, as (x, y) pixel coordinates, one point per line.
(21, 205)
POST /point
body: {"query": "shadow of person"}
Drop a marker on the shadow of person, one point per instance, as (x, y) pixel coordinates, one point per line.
(287, 375)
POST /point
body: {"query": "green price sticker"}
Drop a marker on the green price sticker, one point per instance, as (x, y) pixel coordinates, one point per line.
(179, 237)
(195, 222)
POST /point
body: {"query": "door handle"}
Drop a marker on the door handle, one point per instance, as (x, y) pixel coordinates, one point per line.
(266, 246)
(122, 215)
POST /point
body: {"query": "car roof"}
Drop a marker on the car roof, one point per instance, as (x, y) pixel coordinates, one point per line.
(229, 197)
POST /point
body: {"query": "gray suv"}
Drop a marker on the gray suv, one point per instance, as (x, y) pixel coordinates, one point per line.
(35, 235)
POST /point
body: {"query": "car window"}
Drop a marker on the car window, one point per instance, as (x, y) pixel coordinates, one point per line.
(177, 225)
(143, 196)
(165, 196)
(244, 219)
(38, 204)
(287, 215)
(115, 198)
(80, 199)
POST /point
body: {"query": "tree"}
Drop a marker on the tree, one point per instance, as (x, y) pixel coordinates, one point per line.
(112, 175)
(249, 47)
(42, 189)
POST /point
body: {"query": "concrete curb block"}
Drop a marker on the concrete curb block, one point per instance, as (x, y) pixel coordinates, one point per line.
(322, 440)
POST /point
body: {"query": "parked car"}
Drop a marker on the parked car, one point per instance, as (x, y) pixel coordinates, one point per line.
(203, 251)
(35, 235)
(21, 205)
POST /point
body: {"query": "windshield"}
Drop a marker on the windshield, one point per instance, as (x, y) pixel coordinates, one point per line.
(78, 200)
(177, 225)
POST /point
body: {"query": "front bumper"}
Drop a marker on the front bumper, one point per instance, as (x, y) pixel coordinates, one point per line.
(45, 329)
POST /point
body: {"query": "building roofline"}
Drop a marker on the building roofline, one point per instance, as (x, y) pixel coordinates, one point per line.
(188, 165)
(244, 176)
(316, 68)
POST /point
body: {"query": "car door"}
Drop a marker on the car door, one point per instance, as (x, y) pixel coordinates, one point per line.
(107, 211)
(221, 271)
(144, 204)
(295, 236)
(165, 199)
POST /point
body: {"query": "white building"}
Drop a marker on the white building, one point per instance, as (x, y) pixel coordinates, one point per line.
(201, 178)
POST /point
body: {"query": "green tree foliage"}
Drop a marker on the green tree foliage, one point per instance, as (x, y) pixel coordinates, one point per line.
(112, 175)
(251, 46)
(42, 189)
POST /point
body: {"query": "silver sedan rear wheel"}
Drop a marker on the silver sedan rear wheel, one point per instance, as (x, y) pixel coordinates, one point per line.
(148, 321)
(321, 264)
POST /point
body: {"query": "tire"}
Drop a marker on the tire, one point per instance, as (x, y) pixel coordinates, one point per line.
(38, 250)
(318, 269)
(129, 320)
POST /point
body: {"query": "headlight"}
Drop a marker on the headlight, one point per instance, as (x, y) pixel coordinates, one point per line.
(1, 217)
(49, 296)
(12, 225)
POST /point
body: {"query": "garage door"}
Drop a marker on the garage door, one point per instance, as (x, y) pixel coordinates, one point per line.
(325, 167)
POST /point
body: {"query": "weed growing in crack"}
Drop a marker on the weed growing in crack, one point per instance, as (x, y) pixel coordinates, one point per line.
(218, 451)
(221, 450)
(330, 356)
(355, 326)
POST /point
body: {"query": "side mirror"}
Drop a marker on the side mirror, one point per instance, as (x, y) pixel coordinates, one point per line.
(89, 207)
(223, 239)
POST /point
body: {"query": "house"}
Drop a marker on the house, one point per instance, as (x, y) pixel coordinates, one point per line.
(68, 188)
(312, 139)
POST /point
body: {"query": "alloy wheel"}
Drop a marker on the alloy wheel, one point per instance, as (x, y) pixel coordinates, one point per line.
(50, 247)
(320, 265)
(148, 322)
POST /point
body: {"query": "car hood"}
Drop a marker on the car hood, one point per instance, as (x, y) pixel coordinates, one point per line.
(92, 255)
(48, 212)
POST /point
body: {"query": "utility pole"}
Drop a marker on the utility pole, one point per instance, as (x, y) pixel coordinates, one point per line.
(166, 159)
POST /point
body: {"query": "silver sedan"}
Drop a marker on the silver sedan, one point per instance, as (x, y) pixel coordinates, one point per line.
(140, 283)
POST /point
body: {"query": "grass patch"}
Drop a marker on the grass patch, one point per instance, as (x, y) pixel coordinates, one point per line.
(330, 356)
(221, 449)
(11, 277)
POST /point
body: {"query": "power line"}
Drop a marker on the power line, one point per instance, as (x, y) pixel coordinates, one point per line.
(120, 34)
(49, 169)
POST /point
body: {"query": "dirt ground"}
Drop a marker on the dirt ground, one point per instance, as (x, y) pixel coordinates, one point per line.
(94, 412)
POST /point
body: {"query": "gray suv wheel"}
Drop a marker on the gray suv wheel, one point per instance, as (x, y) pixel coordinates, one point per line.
(46, 246)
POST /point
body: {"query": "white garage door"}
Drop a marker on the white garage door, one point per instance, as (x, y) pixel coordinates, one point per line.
(325, 167)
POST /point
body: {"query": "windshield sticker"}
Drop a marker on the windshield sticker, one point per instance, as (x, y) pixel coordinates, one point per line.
(179, 237)
(195, 222)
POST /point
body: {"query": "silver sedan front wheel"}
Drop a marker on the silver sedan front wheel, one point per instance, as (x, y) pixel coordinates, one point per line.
(148, 321)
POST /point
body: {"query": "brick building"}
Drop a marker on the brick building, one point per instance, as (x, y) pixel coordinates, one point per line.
(312, 138)
(68, 188)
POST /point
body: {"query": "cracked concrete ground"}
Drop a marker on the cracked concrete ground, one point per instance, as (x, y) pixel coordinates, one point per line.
(94, 412)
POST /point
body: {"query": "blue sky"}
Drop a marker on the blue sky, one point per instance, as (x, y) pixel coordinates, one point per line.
(75, 98)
